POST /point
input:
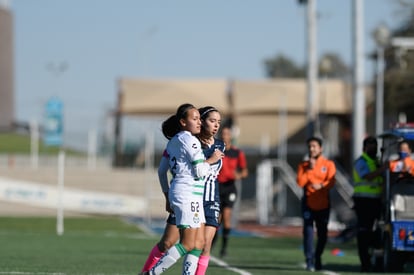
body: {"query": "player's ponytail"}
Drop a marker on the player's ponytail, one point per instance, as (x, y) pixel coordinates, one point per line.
(171, 126)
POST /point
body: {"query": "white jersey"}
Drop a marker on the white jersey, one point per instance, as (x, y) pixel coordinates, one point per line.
(188, 167)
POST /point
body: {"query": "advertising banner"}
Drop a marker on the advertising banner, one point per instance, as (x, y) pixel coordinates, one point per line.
(53, 125)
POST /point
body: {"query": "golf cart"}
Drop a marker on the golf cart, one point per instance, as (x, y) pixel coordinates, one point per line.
(395, 242)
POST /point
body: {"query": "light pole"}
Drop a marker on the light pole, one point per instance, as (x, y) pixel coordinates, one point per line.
(325, 67)
(358, 96)
(381, 36)
(312, 64)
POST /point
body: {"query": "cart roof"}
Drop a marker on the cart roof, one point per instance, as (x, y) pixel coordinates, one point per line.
(400, 131)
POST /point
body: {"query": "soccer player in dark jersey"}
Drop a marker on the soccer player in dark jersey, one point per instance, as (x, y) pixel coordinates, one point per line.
(211, 119)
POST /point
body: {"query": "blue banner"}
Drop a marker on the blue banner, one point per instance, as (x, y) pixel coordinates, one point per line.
(53, 125)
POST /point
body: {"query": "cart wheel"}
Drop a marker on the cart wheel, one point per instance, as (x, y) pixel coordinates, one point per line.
(392, 261)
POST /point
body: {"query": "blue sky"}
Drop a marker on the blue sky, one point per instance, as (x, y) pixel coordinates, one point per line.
(102, 40)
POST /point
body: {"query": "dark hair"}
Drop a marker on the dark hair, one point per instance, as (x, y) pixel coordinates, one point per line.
(204, 111)
(171, 126)
(369, 140)
(222, 127)
(226, 126)
(318, 140)
(182, 110)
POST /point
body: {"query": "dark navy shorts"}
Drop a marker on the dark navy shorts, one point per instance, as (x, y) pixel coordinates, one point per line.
(171, 219)
(212, 212)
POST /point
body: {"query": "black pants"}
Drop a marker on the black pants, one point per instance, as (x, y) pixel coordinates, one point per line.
(320, 218)
(367, 210)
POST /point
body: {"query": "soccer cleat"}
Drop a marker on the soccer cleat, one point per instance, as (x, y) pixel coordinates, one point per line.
(318, 263)
(310, 268)
(223, 253)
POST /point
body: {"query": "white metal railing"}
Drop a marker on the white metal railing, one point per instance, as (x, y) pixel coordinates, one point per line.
(265, 190)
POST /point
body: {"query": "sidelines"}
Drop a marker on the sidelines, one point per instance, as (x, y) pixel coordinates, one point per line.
(228, 267)
(44, 273)
(37, 194)
(24, 273)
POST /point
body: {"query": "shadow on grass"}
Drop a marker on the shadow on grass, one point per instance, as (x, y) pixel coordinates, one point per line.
(341, 267)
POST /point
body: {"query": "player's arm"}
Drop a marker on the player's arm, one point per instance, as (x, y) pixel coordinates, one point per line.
(162, 173)
(201, 165)
(302, 177)
(242, 172)
(163, 179)
(361, 167)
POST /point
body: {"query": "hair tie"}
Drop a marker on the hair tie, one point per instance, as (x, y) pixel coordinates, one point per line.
(208, 111)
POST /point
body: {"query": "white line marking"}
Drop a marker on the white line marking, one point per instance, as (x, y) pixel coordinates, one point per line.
(226, 266)
(328, 272)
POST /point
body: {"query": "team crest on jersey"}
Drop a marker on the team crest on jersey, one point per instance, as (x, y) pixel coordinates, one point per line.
(324, 169)
(194, 146)
(196, 218)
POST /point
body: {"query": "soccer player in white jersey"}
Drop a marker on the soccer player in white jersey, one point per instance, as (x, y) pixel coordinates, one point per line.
(189, 167)
(210, 119)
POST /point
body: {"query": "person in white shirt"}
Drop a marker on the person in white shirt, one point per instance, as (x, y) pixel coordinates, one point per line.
(188, 166)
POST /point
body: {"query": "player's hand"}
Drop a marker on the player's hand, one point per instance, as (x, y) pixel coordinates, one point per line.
(312, 162)
(168, 207)
(216, 156)
(317, 186)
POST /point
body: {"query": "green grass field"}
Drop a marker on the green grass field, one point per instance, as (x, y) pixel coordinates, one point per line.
(98, 245)
(11, 143)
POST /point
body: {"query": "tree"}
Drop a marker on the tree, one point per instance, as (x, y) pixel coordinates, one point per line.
(282, 66)
(331, 65)
(399, 73)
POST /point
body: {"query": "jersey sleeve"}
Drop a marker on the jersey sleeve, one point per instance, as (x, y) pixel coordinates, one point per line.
(361, 168)
(330, 176)
(242, 163)
(302, 177)
(196, 156)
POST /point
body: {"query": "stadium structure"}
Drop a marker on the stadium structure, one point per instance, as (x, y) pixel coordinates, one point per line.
(7, 111)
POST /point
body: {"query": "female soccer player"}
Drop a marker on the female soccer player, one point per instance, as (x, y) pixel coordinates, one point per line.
(211, 120)
(186, 191)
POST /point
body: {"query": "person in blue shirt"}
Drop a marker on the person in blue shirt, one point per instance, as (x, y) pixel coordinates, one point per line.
(368, 177)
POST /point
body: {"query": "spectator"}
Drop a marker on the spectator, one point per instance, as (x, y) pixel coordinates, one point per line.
(316, 176)
(404, 165)
(368, 186)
